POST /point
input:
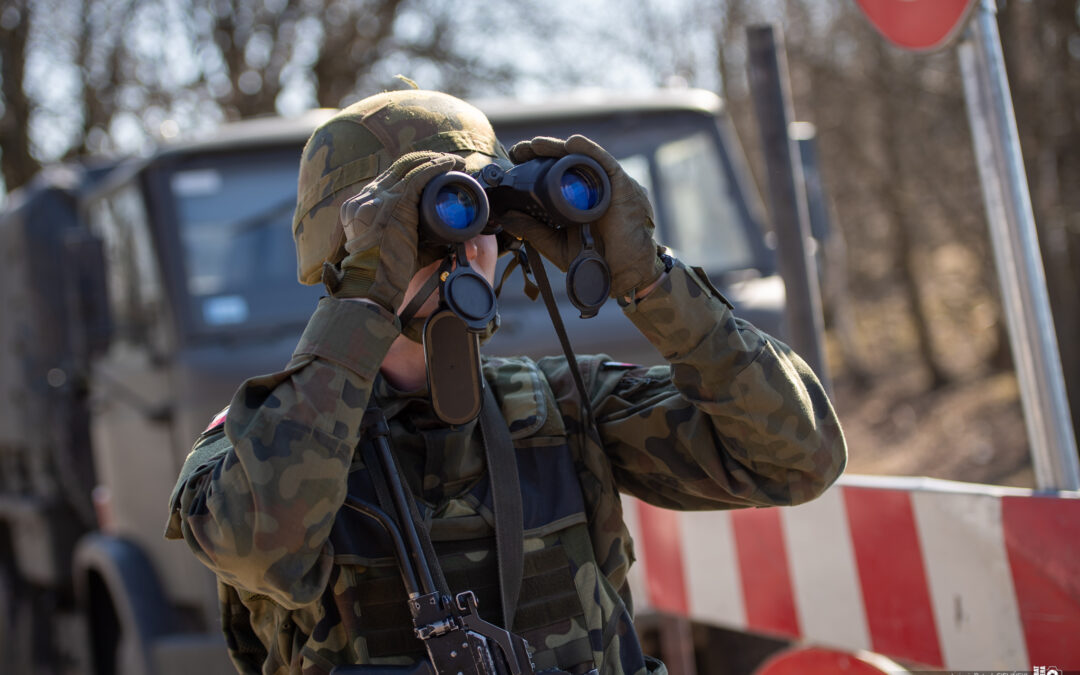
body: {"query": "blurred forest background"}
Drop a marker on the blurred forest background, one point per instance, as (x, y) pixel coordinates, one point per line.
(917, 343)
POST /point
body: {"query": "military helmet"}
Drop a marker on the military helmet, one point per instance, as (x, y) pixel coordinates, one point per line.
(361, 141)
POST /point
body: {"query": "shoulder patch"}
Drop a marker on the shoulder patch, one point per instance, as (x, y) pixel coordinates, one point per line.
(518, 387)
(219, 420)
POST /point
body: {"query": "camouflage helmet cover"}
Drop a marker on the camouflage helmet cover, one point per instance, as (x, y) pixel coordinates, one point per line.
(363, 140)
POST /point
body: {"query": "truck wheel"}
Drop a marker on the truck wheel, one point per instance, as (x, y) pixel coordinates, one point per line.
(104, 628)
(16, 622)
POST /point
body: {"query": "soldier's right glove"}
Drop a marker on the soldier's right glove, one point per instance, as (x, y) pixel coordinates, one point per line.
(381, 231)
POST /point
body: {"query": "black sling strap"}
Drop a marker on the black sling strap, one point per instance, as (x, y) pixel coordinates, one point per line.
(506, 502)
(506, 505)
(382, 493)
(536, 266)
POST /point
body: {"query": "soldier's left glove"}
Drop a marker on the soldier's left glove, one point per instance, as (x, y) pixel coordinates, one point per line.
(624, 232)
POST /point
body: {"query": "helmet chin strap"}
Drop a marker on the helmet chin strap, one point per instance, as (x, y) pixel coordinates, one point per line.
(451, 345)
(414, 329)
(412, 326)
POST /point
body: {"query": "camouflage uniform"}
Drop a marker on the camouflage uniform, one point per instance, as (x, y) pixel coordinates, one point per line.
(735, 420)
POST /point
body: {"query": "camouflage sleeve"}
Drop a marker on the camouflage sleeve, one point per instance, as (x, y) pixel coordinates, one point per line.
(736, 419)
(256, 500)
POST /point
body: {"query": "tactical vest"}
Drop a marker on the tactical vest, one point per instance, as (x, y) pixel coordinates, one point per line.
(568, 611)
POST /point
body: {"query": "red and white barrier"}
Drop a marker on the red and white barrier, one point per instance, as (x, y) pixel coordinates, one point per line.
(934, 572)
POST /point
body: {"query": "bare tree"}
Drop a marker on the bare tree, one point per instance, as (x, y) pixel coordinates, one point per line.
(17, 164)
(102, 58)
(243, 54)
(253, 42)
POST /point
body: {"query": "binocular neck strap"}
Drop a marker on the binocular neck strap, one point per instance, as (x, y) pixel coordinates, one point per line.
(530, 288)
(536, 266)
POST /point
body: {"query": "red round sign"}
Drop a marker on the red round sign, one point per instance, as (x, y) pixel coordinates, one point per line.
(918, 25)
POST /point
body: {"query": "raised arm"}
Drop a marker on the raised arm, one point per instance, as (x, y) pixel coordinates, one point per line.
(257, 497)
(737, 419)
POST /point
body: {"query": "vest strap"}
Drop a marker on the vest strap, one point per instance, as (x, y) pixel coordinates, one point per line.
(506, 500)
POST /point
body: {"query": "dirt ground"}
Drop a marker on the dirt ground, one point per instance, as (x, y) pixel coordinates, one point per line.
(970, 431)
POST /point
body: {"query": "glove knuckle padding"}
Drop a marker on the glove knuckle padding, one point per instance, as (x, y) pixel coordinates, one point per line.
(359, 212)
(381, 225)
(408, 162)
(545, 146)
(583, 145)
(521, 152)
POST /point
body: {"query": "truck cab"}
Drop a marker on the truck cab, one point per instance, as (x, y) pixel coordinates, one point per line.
(196, 276)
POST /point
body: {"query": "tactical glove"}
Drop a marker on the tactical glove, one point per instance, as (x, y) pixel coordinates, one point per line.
(381, 231)
(624, 232)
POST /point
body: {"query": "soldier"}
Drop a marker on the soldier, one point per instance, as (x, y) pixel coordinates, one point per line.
(735, 420)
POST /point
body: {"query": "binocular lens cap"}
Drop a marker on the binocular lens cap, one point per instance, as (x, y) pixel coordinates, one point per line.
(470, 297)
(588, 282)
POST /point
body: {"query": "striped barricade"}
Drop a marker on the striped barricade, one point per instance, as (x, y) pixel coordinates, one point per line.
(934, 572)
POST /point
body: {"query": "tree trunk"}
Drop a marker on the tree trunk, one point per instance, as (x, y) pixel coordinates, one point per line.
(18, 165)
(892, 89)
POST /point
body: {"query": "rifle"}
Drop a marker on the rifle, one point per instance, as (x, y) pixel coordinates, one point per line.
(457, 640)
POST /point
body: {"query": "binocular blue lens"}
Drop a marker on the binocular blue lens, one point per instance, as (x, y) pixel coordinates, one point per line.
(581, 189)
(456, 207)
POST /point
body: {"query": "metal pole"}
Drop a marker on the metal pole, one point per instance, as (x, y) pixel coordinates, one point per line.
(1016, 254)
(770, 88)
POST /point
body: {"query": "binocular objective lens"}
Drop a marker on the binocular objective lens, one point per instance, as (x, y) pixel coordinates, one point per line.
(455, 207)
(581, 189)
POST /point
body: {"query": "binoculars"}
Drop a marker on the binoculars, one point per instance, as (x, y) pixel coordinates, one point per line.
(564, 192)
(570, 191)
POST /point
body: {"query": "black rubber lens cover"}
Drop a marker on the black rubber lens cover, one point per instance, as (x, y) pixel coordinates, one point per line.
(469, 296)
(588, 282)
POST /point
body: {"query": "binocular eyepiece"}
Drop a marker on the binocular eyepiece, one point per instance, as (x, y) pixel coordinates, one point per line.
(571, 190)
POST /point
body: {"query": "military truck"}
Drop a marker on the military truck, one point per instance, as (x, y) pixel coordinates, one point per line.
(138, 294)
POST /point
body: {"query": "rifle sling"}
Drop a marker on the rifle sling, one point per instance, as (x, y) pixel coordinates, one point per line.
(382, 492)
(506, 503)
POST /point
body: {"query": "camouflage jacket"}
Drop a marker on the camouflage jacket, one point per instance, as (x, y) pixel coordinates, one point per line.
(735, 420)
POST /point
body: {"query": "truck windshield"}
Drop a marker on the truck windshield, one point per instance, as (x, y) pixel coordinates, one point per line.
(235, 227)
(705, 223)
(701, 222)
(680, 159)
